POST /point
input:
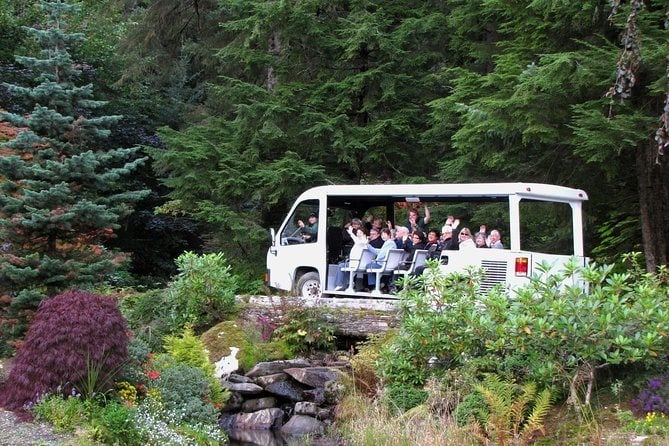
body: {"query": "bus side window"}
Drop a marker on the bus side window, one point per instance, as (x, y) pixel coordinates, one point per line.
(302, 226)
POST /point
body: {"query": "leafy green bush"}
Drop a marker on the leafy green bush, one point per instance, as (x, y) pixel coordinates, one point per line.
(552, 331)
(185, 391)
(149, 316)
(189, 349)
(306, 329)
(115, 425)
(64, 414)
(402, 397)
(203, 291)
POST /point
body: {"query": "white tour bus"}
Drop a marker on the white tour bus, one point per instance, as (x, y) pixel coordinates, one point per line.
(537, 222)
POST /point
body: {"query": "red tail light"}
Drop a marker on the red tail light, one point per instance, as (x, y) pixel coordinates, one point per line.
(522, 266)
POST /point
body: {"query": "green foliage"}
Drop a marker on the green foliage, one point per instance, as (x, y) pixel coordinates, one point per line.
(149, 316)
(115, 425)
(515, 412)
(62, 192)
(402, 397)
(64, 414)
(551, 331)
(247, 337)
(185, 391)
(203, 291)
(306, 329)
(189, 349)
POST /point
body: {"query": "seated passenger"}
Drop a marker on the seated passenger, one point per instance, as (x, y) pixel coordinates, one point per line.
(448, 242)
(415, 223)
(480, 240)
(375, 240)
(402, 239)
(433, 245)
(381, 254)
(349, 241)
(417, 243)
(465, 238)
(359, 245)
(496, 240)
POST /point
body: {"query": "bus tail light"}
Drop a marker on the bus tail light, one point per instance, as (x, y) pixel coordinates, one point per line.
(522, 267)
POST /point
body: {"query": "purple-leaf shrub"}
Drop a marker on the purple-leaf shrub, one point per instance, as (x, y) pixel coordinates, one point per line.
(75, 335)
(654, 398)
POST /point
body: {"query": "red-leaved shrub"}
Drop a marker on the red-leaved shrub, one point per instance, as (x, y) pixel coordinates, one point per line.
(77, 339)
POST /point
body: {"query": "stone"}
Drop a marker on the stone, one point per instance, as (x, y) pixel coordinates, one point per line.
(266, 380)
(258, 404)
(264, 419)
(236, 378)
(285, 389)
(314, 376)
(300, 425)
(243, 388)
(306, 408)
(332, 391)
(316, 395)
(256, 437)
(234, 403)
(270, 368)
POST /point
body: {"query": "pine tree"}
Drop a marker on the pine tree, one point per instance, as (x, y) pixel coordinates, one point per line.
(61, 194)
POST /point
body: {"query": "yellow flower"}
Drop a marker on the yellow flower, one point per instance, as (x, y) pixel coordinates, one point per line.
(301, 332)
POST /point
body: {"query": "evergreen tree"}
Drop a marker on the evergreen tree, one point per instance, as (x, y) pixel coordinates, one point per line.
(61, 195)
(537, 111)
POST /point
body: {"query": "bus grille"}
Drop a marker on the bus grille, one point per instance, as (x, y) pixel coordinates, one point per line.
(495, 272)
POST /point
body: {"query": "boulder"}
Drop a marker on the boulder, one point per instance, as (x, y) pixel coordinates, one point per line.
(266, 380)
(300, 425)
(258, 404)
(257, 437)
(243, 388)
(314, 376)
(235, 378)
(234, 403)
(285, 389)
(270, 368)
(264, 419)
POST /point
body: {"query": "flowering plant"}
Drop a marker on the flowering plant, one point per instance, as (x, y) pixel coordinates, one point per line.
(654, 398)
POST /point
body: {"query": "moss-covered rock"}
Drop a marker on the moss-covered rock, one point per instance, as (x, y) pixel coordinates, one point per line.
(219, 338)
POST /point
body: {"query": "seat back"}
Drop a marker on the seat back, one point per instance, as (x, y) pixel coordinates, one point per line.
(366, 257)
(393, 259)
(419, 259)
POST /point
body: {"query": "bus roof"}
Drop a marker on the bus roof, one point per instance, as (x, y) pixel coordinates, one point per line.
(433, 192)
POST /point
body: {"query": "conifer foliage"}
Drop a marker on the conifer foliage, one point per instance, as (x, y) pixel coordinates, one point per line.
(61, 191)
(76, 344)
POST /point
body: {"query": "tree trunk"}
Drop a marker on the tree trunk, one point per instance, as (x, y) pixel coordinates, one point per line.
(653, 183)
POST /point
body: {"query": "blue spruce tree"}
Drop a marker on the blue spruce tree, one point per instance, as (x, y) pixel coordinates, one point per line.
(62, 193)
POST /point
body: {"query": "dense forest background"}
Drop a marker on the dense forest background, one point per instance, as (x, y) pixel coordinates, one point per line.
(240, 105)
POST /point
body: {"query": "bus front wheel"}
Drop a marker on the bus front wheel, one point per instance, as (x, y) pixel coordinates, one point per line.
(309, 285)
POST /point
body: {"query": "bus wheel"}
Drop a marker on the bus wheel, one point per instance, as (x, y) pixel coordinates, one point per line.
(309, 285)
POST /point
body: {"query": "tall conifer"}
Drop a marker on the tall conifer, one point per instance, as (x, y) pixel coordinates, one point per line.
(61, 192)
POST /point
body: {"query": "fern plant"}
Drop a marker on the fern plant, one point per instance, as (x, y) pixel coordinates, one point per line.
(515, 412)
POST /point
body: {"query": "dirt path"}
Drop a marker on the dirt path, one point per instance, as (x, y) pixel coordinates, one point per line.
(14, 432)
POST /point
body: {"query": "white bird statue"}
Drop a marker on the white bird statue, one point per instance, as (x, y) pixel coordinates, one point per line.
(227, 364)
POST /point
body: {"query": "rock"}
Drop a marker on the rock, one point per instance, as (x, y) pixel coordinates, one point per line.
(256, 437)
(300, 425)
(316, 395)
(264, 381)
(264, 419)
(285, 389)
(259, 404)
(314, 376)
(270, 368)
(235, 378)
(243, 388)
(234, 403)
(306, 408)
(332, 391)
